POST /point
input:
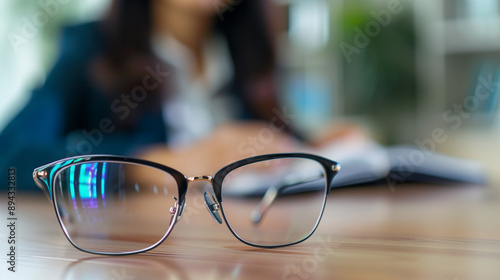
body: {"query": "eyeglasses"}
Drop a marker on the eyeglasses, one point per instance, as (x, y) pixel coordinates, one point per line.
(116, 205)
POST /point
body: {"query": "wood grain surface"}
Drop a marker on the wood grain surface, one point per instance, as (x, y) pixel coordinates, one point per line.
(435, 232)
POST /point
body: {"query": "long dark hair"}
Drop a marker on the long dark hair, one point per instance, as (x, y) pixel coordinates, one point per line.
(127, 28)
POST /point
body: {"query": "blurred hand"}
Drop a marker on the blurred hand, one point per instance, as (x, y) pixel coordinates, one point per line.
(226, 144)
(335, 133)
(234, 141)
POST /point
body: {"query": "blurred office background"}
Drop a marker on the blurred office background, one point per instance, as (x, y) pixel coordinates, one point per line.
(29, 45)
(395, 66)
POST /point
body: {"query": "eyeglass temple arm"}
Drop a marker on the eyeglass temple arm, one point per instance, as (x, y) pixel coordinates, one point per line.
(270, 196)
(264, 205)
(268, 199)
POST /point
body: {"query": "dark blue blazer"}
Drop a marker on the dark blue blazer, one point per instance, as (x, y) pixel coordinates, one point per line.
(69, 115)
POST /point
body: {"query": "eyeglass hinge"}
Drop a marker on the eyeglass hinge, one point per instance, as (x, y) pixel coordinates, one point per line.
(42, 174)
(336, 167)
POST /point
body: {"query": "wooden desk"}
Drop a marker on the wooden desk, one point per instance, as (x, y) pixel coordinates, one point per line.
(416, 232)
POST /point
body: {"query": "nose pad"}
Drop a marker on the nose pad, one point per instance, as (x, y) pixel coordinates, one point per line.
(212, 207)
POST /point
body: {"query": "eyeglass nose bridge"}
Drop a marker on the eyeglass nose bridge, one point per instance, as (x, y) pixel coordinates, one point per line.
(200, 178)
(211, 203)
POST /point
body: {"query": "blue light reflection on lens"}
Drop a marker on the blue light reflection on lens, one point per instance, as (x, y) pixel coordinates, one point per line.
(87, 189)
(86, 184)
(72, 185)
(103, 179)
(54, 169)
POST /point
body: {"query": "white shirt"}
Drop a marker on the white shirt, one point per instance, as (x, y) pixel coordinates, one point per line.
(195, 106)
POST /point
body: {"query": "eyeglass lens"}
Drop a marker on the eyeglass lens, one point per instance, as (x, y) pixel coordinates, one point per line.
(274, 202)
(111, 207)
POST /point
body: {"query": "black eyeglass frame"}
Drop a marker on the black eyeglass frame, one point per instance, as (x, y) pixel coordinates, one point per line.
(45, 176)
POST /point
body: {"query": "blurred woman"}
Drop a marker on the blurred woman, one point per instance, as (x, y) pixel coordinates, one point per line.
(173, 81)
